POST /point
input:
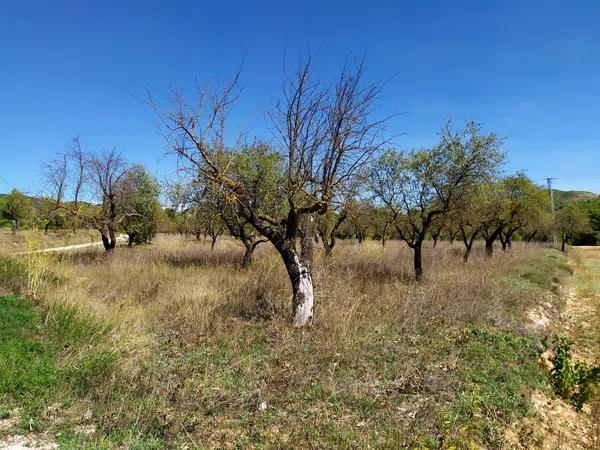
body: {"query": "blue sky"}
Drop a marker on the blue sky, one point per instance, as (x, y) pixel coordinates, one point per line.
(529, 70)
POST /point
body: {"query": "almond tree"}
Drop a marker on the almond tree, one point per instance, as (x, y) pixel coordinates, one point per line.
(493, 218)
(139, 192)
(419, 186)
(97, 177)
(259, 168)
(203, 206)
(525, 203)
(506, 206)
(342, 211)
(17, 208)
(324, 133)
(467, 218)
(360, 218)
(105, 171)
(437, 226)
(571, 222)
(381, 224)
(538, 227)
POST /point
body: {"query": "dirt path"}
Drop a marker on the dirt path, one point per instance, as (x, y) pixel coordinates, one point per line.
(582, 311)
(560, 425)
(121, 238)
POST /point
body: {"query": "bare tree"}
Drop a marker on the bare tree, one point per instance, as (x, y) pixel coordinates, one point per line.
(99, 174)
(78, 157)
(105, 170)
(325, 134)
(55, 175)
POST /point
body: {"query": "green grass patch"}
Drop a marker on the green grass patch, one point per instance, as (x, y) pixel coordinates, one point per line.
(496, 373)
(26, 367)
(47, 356)
(546, 273)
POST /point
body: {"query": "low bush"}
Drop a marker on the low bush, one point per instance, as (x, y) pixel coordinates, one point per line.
(574, 382)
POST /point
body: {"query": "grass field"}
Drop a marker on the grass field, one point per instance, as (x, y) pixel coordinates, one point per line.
(173, 345)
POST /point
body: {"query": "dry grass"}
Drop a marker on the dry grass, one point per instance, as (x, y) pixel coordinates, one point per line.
(203, 343)
(180, 285)
(586, 333)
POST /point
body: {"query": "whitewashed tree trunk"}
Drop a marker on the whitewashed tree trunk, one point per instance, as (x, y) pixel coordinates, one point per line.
(303, 300)
(302, 287)
(299, 272)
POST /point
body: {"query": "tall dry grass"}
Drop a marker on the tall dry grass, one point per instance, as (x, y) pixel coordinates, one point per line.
(203, 342)
(182, 286)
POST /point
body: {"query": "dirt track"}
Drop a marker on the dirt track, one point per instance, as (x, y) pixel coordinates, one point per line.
(120, 238)
(561, 425)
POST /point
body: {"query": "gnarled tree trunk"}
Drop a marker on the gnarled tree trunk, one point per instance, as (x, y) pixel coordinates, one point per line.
(307, 240)
(489, 247)
(468, 241)
(247, 259)
(131, 239)
(109, 240)
(302, 284)
(418, 259)
(328, 238)
(489, 239)
(384, 234)
(250, 244)
(328, 246)
(503, 242)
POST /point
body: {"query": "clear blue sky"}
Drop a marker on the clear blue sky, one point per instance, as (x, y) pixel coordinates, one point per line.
(529, 70)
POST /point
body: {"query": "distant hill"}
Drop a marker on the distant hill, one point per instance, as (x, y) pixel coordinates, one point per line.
(561, 198)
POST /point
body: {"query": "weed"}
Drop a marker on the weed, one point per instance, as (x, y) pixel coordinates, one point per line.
(496, 373)
(46, 358)
(574, 382)
(37, 264)
(13, 275)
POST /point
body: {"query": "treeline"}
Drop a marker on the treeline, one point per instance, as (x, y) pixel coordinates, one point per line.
(330, 171)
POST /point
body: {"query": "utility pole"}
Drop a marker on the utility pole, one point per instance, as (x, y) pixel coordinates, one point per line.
(549, 181)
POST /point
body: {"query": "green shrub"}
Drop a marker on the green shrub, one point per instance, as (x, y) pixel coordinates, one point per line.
(574, 382)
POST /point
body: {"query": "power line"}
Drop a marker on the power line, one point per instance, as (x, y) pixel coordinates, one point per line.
(549, 181)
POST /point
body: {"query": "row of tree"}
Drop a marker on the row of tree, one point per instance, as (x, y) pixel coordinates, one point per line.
(329, 171)
(331, 162)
